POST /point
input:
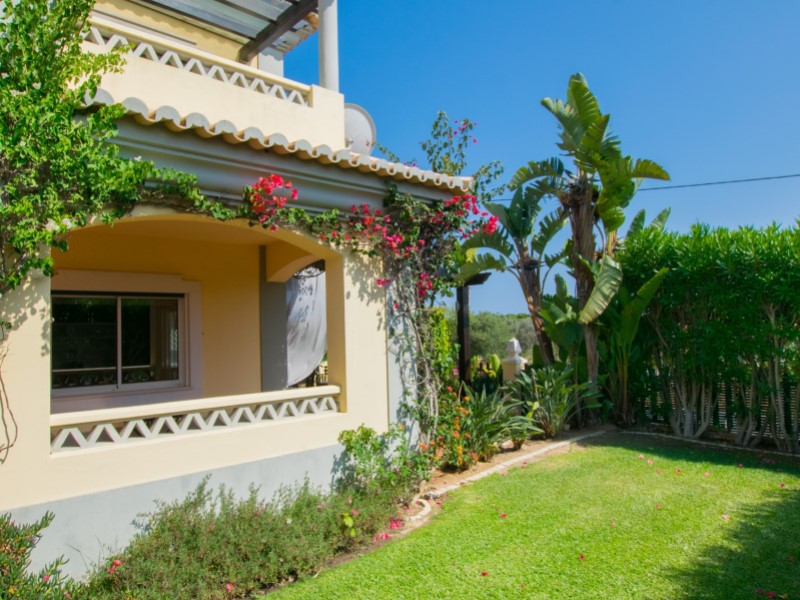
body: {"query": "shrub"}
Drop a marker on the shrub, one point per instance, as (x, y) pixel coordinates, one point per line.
(474, 423)
(550, 396)
(382, 462)
(16, 581)
(217, 546)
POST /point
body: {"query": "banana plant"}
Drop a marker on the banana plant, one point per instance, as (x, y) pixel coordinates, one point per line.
(594, 196)
(518, 245)
(622, 320)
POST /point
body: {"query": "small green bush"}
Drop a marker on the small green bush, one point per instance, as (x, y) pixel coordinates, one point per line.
(16, 581)
(384, 462)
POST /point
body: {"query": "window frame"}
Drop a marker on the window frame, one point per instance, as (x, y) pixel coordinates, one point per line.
(140, 285)
(120, 386)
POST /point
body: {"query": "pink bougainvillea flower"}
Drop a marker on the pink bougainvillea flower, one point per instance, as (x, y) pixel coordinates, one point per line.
(725, 517)
(658, 507)
(45, 578)
(649, 461)
(641, 456)
(381, 536)
(229, 587)
(395, 524)
(503, 515)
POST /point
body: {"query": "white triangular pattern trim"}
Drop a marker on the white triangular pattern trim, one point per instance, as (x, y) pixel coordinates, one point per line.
(168, 426)
(107, 41)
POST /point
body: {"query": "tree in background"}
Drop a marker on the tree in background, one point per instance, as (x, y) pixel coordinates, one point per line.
(490, 332)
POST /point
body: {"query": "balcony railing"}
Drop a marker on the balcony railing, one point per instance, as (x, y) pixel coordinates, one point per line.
(162, 73)
(108, 427)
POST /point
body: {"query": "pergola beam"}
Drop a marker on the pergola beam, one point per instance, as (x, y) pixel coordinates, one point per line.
(270, 34)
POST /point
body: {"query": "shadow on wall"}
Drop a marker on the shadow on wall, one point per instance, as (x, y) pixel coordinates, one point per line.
(20, 305)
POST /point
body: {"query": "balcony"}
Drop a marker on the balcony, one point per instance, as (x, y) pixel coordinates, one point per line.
(195, 86)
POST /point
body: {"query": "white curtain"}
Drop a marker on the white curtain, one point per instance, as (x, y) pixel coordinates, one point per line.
(306, 331)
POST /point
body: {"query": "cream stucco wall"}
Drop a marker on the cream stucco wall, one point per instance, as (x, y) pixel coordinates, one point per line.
(228, 277)
(357, 358)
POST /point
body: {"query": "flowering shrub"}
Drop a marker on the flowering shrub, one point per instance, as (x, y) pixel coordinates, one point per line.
(16, 581)
(219, 546)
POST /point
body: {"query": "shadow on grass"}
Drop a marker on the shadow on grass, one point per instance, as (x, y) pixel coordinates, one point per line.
(759, 556)
(675, 448)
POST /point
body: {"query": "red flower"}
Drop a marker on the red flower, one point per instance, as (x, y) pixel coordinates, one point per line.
(484, 573)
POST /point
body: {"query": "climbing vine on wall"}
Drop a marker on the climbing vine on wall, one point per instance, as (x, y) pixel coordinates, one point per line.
(417, 243)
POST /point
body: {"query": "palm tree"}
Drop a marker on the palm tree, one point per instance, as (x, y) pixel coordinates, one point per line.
(518, 246)
(593, 196)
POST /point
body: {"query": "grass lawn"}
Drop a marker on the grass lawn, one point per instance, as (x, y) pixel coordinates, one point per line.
(601, 521)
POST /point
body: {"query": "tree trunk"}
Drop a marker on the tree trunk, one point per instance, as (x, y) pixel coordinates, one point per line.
(581, 219)
(531, 287)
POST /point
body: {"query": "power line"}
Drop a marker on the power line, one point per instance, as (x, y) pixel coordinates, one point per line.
(704, 184)
(725, 182)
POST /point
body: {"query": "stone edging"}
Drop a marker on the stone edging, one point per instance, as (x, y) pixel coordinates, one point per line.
(505, 465)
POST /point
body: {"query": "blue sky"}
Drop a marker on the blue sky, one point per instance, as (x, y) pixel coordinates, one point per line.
(709, 89)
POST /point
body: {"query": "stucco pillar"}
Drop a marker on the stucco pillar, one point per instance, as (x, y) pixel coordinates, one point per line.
(25, 393)
(328, 45)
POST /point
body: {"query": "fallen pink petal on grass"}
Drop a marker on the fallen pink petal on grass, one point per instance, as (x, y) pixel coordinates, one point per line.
(649, 461)
(503, 515)
(581, 557)
(658, 507)
(783, 485)
(613, 523)
(706, 474)
(641, 456)
(726, 516)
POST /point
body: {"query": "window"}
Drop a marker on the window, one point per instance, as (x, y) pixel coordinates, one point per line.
(107, 342)
(124, 339)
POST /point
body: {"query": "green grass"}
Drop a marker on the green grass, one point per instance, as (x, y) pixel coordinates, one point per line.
(563, 507)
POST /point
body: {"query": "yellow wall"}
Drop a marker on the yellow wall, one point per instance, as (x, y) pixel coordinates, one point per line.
(228, 275)
(224, 259)
(204, 40)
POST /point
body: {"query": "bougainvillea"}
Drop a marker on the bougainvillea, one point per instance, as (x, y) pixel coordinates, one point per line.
(417, 243)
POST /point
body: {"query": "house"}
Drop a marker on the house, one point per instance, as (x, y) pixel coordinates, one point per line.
(157, 354)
